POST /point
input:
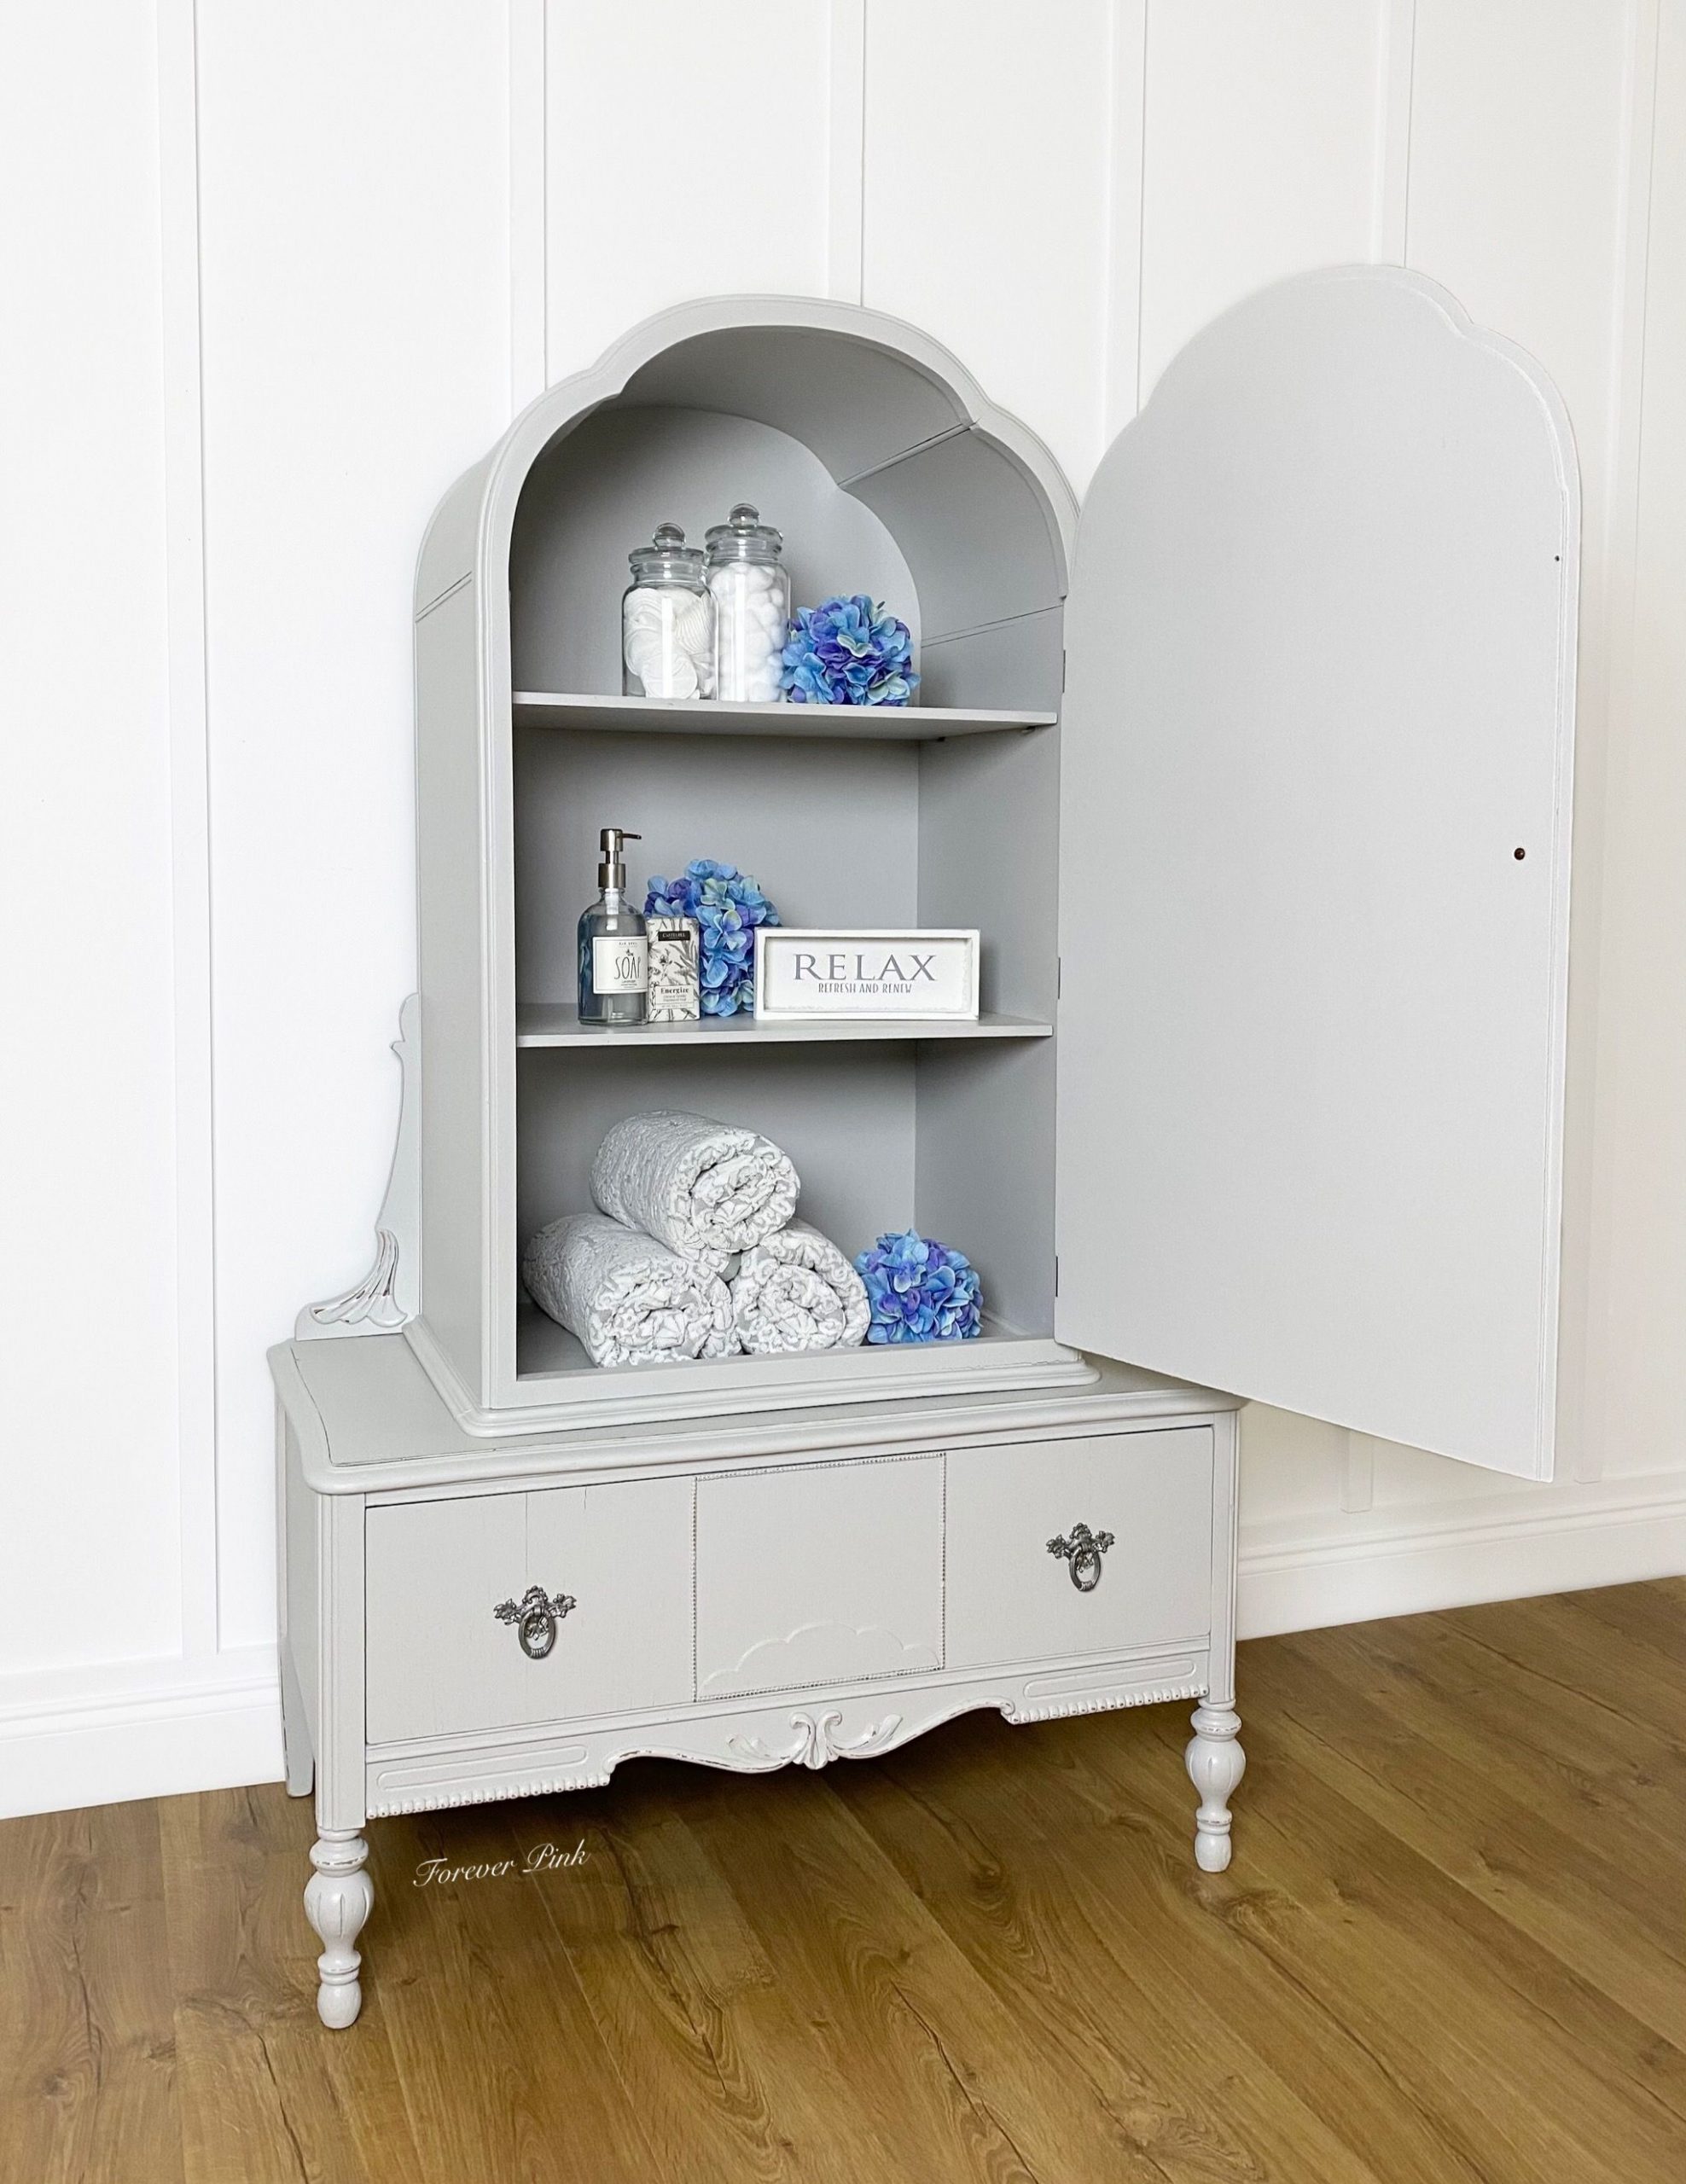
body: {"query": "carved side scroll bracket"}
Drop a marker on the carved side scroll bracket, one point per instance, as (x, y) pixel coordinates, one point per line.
(388, 1295)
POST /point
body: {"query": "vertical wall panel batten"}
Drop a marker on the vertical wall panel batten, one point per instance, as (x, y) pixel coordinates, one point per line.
(687, 157)
(1600, 1082)
(845, 141)
(1126, 152)
(529, 372)
(1260, 155)
(1396, 53)
(190, 840)
(987, 200)
(1357, 1481)
(1637, 1380)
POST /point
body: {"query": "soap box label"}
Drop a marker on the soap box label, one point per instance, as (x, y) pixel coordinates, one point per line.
(874, 975)
(620, 964)
(674, 996)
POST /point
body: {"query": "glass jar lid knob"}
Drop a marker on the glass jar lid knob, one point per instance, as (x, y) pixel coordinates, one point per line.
(667, 557)
(743, 536)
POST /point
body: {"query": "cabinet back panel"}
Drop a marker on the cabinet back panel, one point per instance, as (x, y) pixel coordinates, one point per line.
(976, 529)
(884, 1137)
(856, 403)
(1016, 663)
(830, 830)
(844, 1114)
(601, 490)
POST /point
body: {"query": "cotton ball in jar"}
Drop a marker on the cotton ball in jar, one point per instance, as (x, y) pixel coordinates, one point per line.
(751, 599)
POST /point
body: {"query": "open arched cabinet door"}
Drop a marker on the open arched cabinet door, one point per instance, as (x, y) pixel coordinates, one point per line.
(1315, 794)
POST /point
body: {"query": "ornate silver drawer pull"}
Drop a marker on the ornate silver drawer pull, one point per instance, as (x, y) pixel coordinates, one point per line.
(536, 1617)
(1082, 1550)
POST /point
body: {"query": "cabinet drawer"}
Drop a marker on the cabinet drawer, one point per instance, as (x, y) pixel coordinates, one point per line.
(822, 1573)
(439, 1658)
(1011, 1598)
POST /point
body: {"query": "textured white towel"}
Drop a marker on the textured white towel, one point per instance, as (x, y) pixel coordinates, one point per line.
(798, 1291)
(703, 1189)
(630, 1302)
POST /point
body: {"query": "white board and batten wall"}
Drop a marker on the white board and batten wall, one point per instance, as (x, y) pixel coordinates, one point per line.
(300, 269)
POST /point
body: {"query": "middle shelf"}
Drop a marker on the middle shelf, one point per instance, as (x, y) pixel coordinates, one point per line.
(556, 1024)
(579, 709)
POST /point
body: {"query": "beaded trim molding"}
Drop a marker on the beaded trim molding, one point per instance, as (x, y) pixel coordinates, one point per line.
(816, 1744)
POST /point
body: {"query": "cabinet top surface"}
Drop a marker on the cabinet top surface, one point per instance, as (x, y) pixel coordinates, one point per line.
(363, 1404)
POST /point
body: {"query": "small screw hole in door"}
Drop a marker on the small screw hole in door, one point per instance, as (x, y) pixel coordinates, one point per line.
(1519, 855)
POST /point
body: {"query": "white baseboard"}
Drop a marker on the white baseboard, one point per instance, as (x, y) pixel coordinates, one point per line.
(1400, 1563)
(138, 1729)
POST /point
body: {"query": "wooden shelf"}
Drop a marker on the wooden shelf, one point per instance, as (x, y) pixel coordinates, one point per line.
(801, 723)
(556, 1024)
(545, 1349)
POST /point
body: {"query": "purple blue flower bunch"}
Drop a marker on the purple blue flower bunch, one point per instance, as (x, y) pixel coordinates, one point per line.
(920, 1292)
(847, 652)
(728, 905)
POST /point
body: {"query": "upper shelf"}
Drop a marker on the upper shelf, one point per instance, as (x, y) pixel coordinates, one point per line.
(556, 1024)
(802, 723)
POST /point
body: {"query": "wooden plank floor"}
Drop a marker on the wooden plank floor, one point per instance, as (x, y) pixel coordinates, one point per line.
(1451, 1951)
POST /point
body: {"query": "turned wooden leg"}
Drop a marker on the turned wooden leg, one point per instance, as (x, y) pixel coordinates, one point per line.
(1216, 1765)
(338, 1898)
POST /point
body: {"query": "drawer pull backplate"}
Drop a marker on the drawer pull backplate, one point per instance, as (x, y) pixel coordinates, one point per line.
(1082, 1550)
(536, 1616)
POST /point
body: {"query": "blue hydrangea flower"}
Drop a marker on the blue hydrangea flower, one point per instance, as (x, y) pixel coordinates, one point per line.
(728, 906)
(847, 652)
(920, 1292)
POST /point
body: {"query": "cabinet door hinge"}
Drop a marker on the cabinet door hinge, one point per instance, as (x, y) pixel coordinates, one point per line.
(1059, 976)
(1056, 1274)
(1062, 671)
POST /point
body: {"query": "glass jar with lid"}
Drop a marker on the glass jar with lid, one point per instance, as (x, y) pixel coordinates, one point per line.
(667, 621)
(751, 589)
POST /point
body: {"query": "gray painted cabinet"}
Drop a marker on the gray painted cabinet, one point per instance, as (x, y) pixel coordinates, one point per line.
(1254, 776)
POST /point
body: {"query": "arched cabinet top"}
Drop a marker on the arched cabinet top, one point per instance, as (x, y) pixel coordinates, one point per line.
(974, 501)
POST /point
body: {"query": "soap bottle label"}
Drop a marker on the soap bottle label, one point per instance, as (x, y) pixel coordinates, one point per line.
(620, 964)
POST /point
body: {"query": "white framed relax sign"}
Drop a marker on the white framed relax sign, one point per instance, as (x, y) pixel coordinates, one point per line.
(903, 973)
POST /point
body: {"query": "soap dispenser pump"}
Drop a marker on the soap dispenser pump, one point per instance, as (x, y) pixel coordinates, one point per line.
(613, 951)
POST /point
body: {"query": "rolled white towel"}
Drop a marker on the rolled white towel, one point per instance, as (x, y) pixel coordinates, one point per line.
(798, 1291)
(629, 1301)
(703, 1189)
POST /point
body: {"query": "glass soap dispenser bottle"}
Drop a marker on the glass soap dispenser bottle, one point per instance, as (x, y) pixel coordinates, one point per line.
(614, 950)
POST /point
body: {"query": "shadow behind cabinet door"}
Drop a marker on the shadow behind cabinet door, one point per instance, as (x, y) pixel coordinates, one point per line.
(1316, 783)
